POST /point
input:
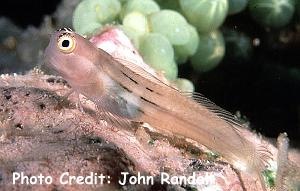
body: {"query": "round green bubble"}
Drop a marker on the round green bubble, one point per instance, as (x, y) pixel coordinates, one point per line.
(272, 13)
(169, 4)
(143, 6)
(131, 34)
(123, 1)
(86, 29)
(89, 15)
(157, 51)
(135, 25)
(137, 21)
(182, 52)
(238, 46)
(211, 50)
(172, 72)
(184, 85)
(236, 6)
(171, 24)
(298, 8)
(205, 15)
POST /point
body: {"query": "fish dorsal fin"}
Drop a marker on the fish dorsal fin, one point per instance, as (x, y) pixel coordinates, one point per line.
(211, 106)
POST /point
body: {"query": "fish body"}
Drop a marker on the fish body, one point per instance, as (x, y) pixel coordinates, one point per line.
(128, 91)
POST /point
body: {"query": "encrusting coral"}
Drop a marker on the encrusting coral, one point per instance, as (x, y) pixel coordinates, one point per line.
(41, 132)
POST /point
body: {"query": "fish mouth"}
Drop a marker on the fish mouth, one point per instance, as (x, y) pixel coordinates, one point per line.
(49, 61)
(46, 56)
(48, 68)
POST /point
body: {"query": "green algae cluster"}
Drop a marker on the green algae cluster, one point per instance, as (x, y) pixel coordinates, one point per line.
(169, 33)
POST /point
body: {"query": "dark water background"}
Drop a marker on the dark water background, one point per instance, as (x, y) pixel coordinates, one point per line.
(266, 88)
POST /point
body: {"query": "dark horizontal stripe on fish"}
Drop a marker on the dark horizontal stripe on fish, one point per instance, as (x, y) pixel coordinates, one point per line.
(149, 101)
(125, 88)
(129, 77)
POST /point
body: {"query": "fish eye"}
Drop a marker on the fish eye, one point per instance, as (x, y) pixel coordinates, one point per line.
(66, 44)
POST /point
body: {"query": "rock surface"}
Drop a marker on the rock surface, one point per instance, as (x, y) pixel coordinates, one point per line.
(43, 133)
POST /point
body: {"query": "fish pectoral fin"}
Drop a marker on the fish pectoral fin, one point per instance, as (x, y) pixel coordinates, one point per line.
(116, 121)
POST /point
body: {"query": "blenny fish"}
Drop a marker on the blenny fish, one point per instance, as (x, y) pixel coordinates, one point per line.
(126, 90)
